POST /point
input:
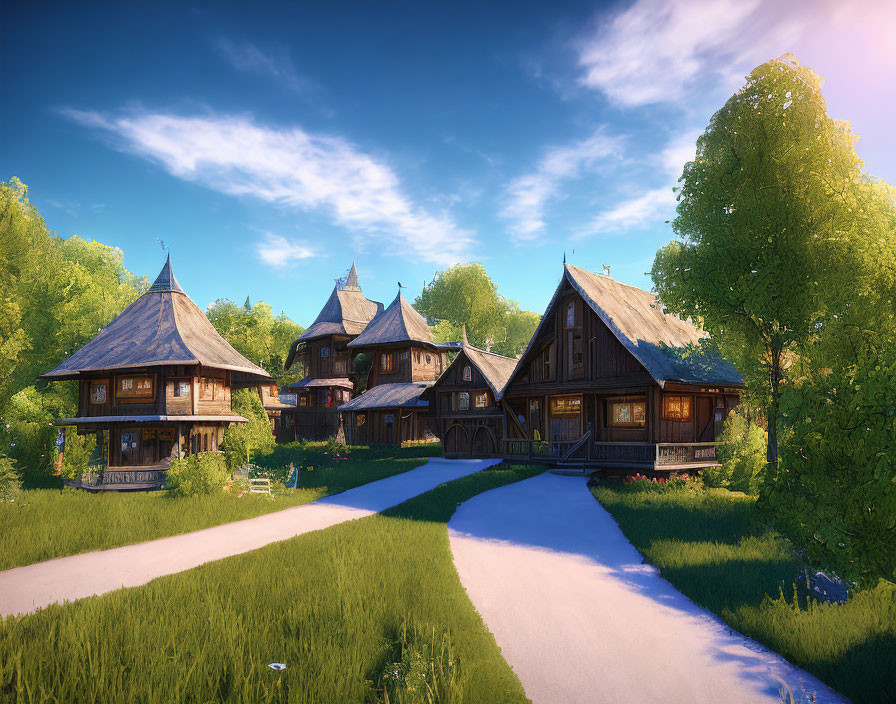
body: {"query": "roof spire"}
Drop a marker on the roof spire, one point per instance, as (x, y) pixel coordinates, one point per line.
(351, 281)
(165, 281)
(564, 256)
(463, 338)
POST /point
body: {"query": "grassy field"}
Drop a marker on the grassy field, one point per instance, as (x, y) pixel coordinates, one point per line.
(712, 546)
(359, 612)
(47, 523)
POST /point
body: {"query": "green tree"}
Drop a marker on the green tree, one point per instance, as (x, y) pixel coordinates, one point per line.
(243, 440)
(256, 333)
(465, 295)
(771, 220)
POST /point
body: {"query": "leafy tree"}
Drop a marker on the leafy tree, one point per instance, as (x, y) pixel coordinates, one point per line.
(772, 218)
(256, 333)
(243, 440)
(741, 456)
(466, 295)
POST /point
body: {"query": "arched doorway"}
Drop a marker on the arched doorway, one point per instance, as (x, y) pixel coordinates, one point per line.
(456, 441)
(484, 443)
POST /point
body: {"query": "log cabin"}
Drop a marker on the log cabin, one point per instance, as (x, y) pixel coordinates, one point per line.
(466, 402)
(611, 380)
(325, 362)
(154, 384)
(405, 362)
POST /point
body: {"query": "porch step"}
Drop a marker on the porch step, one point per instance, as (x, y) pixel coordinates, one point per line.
(569, 470)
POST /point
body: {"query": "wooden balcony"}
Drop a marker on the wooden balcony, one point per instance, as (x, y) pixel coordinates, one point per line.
(692, 455)
(637, 455)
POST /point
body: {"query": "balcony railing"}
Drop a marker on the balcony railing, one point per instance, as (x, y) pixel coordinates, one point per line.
(622, 454)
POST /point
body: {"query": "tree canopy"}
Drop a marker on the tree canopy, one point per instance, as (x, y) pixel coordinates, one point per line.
(466, 295)
(255, 332)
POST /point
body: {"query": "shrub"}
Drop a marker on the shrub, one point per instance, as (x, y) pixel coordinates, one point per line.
(742, 447)
(10, 482)
(244, 440)
(200, 474)
(78, 450)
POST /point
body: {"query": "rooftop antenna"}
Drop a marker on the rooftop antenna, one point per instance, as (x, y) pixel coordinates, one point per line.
(606, 270)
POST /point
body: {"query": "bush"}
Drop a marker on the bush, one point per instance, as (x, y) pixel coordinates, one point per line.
(78, 450)
(200, 474)
(10, 482)
(243, 440)
(741, 454)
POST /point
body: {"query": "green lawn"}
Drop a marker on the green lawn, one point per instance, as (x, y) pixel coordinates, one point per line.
(47, 523)
(713, 547)
(356, 611)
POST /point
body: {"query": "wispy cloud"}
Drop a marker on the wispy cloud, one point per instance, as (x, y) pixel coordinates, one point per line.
(237, 156)
(275, 63)
(654, 205)
(658, 50)
(527, 196)
(278, 252)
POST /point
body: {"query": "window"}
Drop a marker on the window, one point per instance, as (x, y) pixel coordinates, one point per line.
(181, 388)
(340, 365)
(98, 392)
(468, 373)
(389, 418)
(326, 399)
(627, 412)
(677, 408)
(482, 400)
(463, 401)
(387, 362)
(566, 405)
(303, 400)
(134, 388)
(324, 352)
(404, 355)
(211, 389)
(428, 358)
(571, 315)
(360, 419)
(547, 369)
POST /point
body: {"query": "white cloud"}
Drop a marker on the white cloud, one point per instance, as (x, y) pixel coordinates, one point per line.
(658, 50)
(289, 166)
(279, 252)
(649, 208)
(248, 58)
(528, 196)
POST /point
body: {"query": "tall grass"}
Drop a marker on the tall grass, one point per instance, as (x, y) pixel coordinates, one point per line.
(344, 609)
(46, 523)
(713, 547)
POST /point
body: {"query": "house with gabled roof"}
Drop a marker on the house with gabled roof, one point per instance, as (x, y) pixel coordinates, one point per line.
(325, 363)
(610, 379)
(405, 361)
(466, 401)
(153, 385)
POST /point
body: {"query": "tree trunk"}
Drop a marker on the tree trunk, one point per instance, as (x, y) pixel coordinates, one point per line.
(771, 453)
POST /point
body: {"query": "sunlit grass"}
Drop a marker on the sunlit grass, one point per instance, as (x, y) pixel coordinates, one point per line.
(46, 523)
(714, 548)
(336, 606)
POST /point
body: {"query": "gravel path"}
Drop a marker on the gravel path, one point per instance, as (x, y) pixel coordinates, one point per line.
(579, 617)
(26, 589)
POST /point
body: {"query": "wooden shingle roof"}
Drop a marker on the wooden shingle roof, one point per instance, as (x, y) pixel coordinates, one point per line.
(161, 327)
(398, 323)
(496, 368)
(658, 340)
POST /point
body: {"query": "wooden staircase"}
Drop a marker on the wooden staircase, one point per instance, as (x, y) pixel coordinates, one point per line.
(570, 466)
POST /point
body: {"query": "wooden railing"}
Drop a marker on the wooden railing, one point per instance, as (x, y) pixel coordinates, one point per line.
(535, 449)
(685, 453)
(635, 453)
(119, 476)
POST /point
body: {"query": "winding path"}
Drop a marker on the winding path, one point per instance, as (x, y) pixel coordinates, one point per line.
(26, 589)
(579, 618)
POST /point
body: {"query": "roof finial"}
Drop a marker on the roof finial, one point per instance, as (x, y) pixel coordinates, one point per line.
(463, 336)
(606, 270)
(564, 256)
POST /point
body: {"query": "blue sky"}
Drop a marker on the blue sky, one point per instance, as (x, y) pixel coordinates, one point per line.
(270, 145)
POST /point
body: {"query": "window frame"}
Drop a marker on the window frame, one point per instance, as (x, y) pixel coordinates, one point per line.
(631, 402)
(468, 373)
(133, 398)
(481, 396)
(98, 382)
(683, 401)
(463, 400)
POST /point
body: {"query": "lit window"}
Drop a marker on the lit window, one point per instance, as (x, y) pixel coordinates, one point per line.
(627, 413)
(677, 408)
(463, 401)
(134, 387)
(468, 373)
(482, 400)
(181, 389)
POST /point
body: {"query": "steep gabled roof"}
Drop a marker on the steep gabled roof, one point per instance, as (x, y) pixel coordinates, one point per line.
(655, 338)
(163, 326)
(398, 323)
(389, 396)
(495, 368)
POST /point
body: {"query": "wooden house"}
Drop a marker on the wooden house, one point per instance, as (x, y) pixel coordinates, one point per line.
(405, 362)
(274, 407)
(611, 380)
(326, 362)
(466, 402)
(155, 384)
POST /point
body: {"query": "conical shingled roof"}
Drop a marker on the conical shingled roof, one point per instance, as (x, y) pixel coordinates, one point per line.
(398, 323)
(161, 327)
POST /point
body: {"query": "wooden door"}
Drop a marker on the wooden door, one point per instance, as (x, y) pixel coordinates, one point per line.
(705, 425)
(565, 428)
(130, 448)
(484, 443)
(456, 442)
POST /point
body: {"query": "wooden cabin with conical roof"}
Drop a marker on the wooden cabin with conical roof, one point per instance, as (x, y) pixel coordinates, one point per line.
(325, 362)
(611, 380)
(405, 361)
(466, 400)
(155, 384)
